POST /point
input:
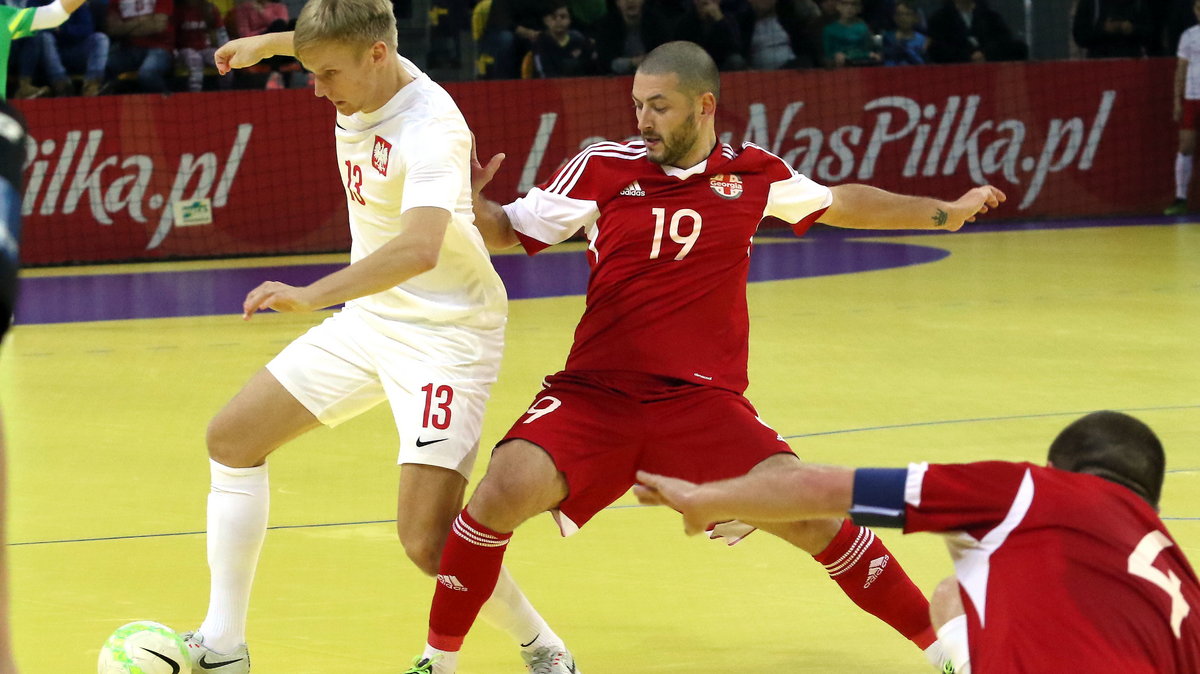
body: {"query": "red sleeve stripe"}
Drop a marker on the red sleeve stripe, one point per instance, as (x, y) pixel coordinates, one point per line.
(569, 175)
(531, 245)
(801, 227)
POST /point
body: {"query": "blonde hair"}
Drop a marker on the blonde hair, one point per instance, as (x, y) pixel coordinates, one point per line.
(358, 23)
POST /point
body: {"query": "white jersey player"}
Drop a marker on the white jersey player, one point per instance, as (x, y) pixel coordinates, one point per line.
(423, 325)
(1187, 111)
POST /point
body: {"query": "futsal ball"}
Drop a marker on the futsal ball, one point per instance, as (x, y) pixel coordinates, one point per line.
(144, 647)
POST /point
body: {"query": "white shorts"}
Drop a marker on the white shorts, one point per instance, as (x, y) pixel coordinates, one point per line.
(436, 378)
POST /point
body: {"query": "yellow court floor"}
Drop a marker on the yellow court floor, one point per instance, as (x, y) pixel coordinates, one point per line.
(985, 353)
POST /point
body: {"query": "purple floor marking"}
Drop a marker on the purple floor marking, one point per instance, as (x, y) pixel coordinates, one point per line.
(64, 299)
(825, 251)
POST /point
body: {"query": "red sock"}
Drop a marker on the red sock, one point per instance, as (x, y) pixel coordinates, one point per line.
(466, 577)
(868, 573)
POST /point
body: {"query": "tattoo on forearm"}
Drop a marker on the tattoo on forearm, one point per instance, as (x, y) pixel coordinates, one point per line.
(939, 218)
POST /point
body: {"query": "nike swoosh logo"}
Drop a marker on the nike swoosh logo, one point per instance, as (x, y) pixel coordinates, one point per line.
(531, 640)
(204, 664)
(160, 656)
(423, 443)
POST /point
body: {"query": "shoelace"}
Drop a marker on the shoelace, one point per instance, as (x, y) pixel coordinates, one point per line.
(542, 661)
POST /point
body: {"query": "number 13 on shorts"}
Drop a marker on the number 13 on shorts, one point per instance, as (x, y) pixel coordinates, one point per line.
(437, 406)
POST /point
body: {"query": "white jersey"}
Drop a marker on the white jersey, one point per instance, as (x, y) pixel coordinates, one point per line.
(416, 151)
(1189, 50)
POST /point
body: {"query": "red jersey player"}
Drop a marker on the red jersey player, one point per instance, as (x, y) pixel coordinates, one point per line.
(1065, 568)
(655, 378)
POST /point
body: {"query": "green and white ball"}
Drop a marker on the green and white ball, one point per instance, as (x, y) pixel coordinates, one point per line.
(144, 647)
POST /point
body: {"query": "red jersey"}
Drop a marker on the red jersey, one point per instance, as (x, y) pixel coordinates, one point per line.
(194, 25)
(1059, 571)
(669, 251)
(128, 9)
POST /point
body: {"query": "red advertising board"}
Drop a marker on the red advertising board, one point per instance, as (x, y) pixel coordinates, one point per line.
(1062, 139)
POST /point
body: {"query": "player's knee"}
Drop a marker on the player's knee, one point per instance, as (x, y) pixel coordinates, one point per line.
(224, 445)
(424, 552)
(522, 481)
(945, 603)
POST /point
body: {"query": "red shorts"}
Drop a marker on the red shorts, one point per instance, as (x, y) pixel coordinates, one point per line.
(1191, 114)
(600, 428)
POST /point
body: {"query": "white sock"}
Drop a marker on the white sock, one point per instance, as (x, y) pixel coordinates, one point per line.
(953, 638)
(510, 611)
(1183, 175)
(237, 525)
(447, 663)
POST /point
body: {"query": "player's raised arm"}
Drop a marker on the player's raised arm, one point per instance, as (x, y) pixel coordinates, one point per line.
(803, 492)
(864, 207)
(246, 51)
(54, 14)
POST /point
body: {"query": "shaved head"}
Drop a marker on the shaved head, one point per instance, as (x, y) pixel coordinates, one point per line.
(692, 66)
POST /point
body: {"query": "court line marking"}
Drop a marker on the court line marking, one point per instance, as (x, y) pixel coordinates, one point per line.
(347, 524)
(616, 507)
(943, 422)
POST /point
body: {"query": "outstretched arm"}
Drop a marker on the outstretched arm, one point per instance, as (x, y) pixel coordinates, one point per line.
(246, 51)
(413, 251)
(805, 492)
(865, 207)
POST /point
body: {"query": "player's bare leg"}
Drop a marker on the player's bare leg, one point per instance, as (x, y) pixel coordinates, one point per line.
(949, 618)
(861, 566)
(260, 418)
(521, 482)
(430, 500)
(1183, 171)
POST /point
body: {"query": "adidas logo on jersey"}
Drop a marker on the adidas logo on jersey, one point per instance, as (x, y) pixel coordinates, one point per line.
(875, 570)
(451, 582)
(633, 190)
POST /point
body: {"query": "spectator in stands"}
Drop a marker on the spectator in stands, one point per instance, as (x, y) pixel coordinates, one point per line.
(879, 15)
(905, 45)
(586, 14)
(814, 31)
(145, 40)
(966, 31)
(199, 30)
(255, 17)
(74, 48)
(715, 28)
(624, 36)
(773, 34)
(560, 51)
(508, 35)
(848, 41)
(1113, 28)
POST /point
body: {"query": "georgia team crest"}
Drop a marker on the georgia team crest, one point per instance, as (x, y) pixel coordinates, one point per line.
(726, 185)
(380, 155)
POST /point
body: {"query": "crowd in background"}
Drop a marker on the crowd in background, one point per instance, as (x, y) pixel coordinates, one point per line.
(167, 45)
